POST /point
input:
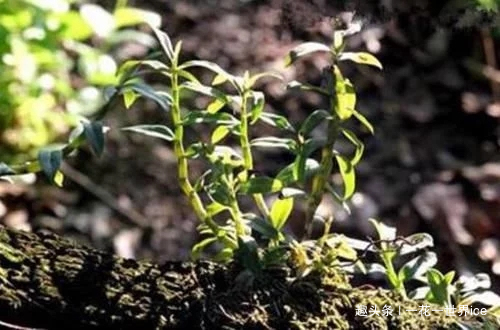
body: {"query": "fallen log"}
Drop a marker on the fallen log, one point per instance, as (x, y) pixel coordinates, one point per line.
(48, 282)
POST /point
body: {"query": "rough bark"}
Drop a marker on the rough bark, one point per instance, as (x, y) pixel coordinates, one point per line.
(49, 282)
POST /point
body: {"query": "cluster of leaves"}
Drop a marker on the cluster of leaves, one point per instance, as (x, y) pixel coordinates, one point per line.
(257, 240)
(55, 59)
(417, 271)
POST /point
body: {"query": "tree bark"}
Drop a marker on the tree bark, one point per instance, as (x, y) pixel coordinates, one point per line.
(49, 282)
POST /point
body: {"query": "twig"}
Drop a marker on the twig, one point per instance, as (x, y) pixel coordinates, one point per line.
(133, 217)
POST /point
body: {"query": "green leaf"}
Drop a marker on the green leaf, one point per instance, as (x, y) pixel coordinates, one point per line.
(292, 192)
(59, 179)
(216, 105)
(362, 119)
(220, 72)
(345, 95)
(129, 97)
(361, 58)
(417, 267)
(218, 80)
(162, 98)
(6, 170)
(475, 282)
(310, 146)
(280, 211)
(307, 87)
(198, 117)
(348, 176)
(313, 120)
(219, 133)
(384, 232)
(252, 80)
(262, 226)
(50, 160)
(260, 185)
(220, 193)
(94, 134)
(277, 121)
(165, 42)
(248, 254)
(287, 176)
(342, 248)
(414, 243)
(439, 288)
(360, 146)
(199, 247)
(128, 16)
(215, 208)
(488, 298)
(156, 131)
(304, 49)
(257, 106)
(338, 40)
(274, 142)
(206, 90)
(224, 255)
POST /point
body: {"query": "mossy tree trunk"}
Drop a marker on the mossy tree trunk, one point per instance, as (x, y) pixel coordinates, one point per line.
(49, 282)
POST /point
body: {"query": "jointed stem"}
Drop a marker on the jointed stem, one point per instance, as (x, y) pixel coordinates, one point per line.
(247, 153)
(182, 163)
(321, 177)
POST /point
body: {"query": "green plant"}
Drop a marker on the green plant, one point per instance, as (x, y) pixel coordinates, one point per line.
(435, 287)
(55, 59)
(257, 240)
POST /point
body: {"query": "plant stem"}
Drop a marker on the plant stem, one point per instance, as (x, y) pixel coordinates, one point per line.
(247, 153)
(321, 177)
(182, 163)
(121, 4)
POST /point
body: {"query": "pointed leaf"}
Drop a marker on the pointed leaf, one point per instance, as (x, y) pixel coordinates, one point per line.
(257, 106)
(280, 211)
(199, 247)
(414, 243)
(129, 97)
(362, 119)
(198, 117)
(274, 142)
(360, 146)
(206, 90)
(215, 69)
(286, 175)
(216, 105)
(313, 120)
(50, 161)
(260, 185)
(219, 133)
(361, 58)
(59, 179)
(348, 176)
(157, 131)
(345, 95)
(94, 134)
(277, 121)
(305, 49)
(417, 267)
(262, 226)
(162, 98)
(165, 42)
(252, 80)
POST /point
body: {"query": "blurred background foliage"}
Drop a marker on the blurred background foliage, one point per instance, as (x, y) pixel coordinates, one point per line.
(56, 56)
